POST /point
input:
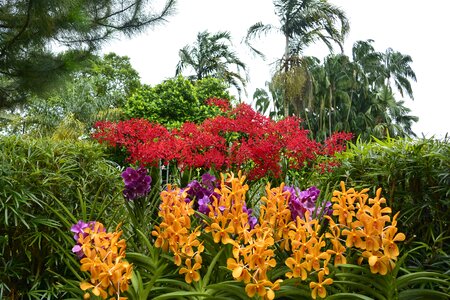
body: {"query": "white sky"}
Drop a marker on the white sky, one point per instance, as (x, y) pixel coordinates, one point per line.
(413, 27)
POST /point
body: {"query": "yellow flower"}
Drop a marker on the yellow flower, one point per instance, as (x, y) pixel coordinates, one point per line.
(221, 233)
(191, 271)
(97, 291)
(239, 270)
(264, 288)
(298, 268)
(353, 238)
(318, 288)
(389, 239)
(338, 251)
(104, 254)
(378, 263)
(344, 212)
(315, 254)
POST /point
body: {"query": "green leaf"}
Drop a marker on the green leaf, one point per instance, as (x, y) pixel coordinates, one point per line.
(211, 267)
(348, 296)
(407, 279)
(232, 287)
(174, 295)
(181, 284)
(141, 260)
(425, 294)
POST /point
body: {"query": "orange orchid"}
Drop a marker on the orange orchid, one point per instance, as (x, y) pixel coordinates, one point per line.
(191, 271)
(298, 267)
(354, 238)
(221, 233)
(104, 254)
(318, 288)
(389, 238)
(360, 222)
(263, 288)
(378, 262)
(239, 270)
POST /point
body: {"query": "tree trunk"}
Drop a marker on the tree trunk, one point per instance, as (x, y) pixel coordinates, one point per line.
(286, 69)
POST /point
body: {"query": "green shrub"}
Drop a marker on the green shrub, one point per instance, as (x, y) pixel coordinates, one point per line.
(176, 101)
(415, 177)
(44, 184)
(210, 87)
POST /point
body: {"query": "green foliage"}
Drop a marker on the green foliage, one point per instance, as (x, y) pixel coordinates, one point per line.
(32, 30)
(415, 177)
(175, 101)
(96, 93)
(113, 77)
(356, 282)
(45, 187)
(211, 56)
(359, 95)
(210, 87)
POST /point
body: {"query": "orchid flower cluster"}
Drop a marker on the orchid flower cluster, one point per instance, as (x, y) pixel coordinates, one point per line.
(288, 220)
(365, 224)
(79, 229)
(137, 183)
(175, 233)
(102, 255)
(203, 194)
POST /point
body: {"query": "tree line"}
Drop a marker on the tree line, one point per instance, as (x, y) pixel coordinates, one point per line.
(359, 94)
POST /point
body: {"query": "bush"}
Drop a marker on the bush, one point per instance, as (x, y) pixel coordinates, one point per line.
(176, 101)
(242, 140)
(209, 87)
(43, 185)
(415, 174)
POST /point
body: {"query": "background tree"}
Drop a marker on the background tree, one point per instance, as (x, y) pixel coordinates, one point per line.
(98, 92)
(42, 40)
(359, 95)
(269, 103)
(301, 23)
(176, 100)
(211, 56)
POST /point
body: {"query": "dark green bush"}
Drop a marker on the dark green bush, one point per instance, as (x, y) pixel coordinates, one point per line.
(176, 101)
(45, 186)
(415, 177)
(210, 87)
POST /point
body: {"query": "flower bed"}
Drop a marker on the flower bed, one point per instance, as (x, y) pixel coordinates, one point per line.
(287, 243)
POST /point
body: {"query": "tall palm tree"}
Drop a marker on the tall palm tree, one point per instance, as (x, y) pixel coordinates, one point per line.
(375, 75)
(302, 22)
(211, 56)
(397, 68)
(358, 95)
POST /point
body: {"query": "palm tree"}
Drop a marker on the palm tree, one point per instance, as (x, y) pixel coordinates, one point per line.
(211, 56)
(358, 95)
(397, 68)
(269, 104)
(374, 98)
(302, 23)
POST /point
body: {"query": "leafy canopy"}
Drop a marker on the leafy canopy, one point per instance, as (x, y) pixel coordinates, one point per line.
(176, 101)
(40, 41)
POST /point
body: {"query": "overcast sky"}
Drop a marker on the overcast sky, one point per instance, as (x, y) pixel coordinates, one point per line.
(413, 27)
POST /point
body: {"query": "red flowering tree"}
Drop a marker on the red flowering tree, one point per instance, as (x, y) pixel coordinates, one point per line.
(242, 139)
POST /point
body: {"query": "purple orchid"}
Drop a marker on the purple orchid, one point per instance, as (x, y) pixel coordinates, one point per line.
(252, 220)
(137, 183)
(302, 201)
(203, 205)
